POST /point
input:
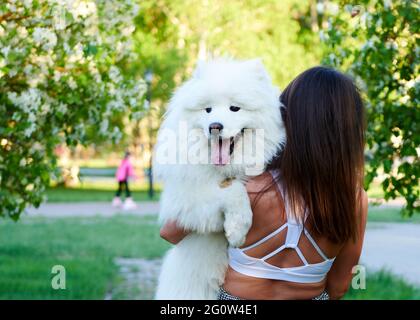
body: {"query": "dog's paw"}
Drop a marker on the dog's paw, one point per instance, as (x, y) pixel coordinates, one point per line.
(236, 232)
(235, 240)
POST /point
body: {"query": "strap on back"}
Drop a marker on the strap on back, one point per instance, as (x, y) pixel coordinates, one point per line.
(294, 230)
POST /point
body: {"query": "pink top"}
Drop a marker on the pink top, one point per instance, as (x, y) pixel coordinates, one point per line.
(125, 170)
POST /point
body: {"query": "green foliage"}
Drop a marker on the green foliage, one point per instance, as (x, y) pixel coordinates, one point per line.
(377, 42)
(172, 35)
(62, 80)
(156, 43)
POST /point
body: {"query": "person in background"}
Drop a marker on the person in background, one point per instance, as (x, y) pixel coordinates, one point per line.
(124, 172)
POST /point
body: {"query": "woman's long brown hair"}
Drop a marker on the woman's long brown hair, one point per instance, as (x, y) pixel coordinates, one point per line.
(322, 163)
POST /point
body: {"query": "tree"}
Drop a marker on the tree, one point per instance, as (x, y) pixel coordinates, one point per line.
(377, 42)
(62, 80)
(171, 35)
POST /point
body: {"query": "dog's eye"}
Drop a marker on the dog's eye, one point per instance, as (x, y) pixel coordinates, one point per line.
(234, 108)
(208, 110)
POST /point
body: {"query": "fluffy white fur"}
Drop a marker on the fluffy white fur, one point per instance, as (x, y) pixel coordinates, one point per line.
(195, 268)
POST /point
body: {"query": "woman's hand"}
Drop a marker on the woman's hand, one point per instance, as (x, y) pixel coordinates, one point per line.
(173, 233)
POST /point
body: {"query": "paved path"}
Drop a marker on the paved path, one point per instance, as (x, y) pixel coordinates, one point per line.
(138, 279)
(394, 246)
(89, 209)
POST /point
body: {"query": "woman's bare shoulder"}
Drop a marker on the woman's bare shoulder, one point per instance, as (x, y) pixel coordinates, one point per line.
(265, 199)
(259, 183)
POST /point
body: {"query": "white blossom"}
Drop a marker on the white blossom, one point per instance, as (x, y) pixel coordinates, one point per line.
(411, 83)
(62, 108)
(320, 7)
(72, 84)
(104, 126)
(127, 31)
(22, 32)
(27, 100)
(44, 37)
(115, 74)
(37, 147)
(30, 130)
(62, 78)
(82, 9)
(27, 3)
(5, 51)
(333, 8)
(323, 36)
(57, 75)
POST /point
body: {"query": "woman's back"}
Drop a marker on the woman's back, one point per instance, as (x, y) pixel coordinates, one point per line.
(269, 216)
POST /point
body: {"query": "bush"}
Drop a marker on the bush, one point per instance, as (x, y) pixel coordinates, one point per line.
(377, 43)
(61, 81)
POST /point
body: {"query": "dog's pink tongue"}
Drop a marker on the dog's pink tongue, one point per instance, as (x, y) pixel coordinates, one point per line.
(220, 152)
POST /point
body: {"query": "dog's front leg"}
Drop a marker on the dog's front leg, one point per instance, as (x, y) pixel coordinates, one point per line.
(199, 212)
(238, 213)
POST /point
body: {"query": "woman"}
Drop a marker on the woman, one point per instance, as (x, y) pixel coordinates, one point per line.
(309, 208)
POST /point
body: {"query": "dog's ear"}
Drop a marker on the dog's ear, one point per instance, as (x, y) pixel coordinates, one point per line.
(257, 67)
(199, 69)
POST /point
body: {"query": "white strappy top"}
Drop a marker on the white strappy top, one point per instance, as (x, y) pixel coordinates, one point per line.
(259, 268)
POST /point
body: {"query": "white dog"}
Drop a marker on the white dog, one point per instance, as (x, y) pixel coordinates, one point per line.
(233, 107)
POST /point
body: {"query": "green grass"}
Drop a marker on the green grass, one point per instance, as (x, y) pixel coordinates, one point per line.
(103, 191)
(376, 214)
(61, 194)
(383, 285)
(85, 247)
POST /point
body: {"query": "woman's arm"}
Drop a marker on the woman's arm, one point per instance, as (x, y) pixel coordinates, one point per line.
(340, 275)
(173, 233)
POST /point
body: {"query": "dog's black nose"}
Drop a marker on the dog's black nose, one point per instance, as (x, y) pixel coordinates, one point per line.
(215, 126)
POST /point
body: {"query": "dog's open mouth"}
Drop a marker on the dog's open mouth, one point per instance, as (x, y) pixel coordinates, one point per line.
(222, 149)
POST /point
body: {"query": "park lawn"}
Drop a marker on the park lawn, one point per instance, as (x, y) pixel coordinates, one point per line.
(87, 247)
(383, 285)
(377, 214)
(61, 194)
(101, 191)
